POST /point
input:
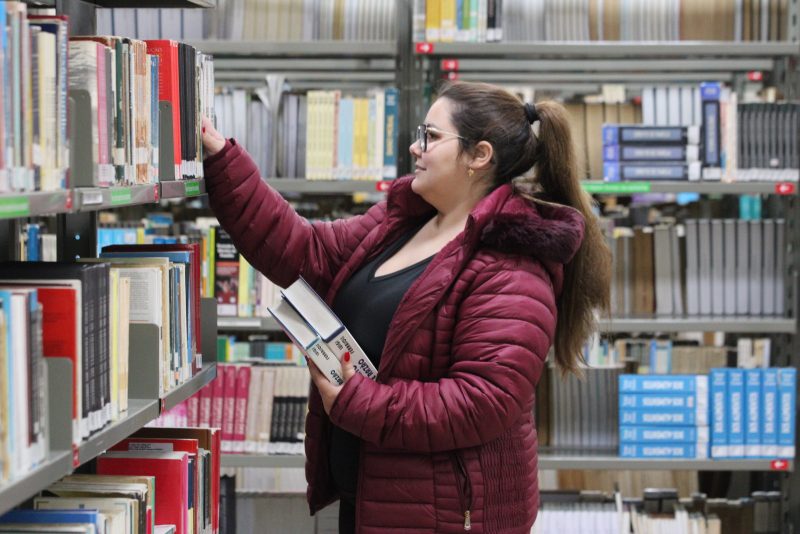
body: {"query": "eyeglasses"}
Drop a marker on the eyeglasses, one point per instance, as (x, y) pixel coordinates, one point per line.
(426, 134)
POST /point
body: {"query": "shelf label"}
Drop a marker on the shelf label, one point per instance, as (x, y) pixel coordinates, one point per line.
(755, 76)
(785, 188)
(92, 198)
(452, 76)
(120, 196)
(192, 188)
(162, 406)
(68, 202)
(156, 192)
(383, 186)
(449, 64)
(779, 465)
(15, 207)
(76, 456)
(616, 188)
(424, 48)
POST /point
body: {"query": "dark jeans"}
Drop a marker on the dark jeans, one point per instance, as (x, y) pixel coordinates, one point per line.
(347, 517)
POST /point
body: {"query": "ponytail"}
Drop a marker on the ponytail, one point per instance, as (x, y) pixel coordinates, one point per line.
(587, 278)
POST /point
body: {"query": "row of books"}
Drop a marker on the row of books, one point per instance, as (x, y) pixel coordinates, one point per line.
(731, 413)
(152, 23)
(720, 267)
(256, 349)
(118, 140)
(645, 355)
(599, 20)
(319, 135)
(167, 477)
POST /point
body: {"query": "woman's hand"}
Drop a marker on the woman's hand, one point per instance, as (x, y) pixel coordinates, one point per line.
(327, 390)
(213, 141)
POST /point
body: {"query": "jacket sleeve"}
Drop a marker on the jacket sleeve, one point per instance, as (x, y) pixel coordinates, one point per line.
(502, 335)
(269, 233)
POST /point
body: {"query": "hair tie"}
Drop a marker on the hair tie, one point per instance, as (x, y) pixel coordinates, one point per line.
(531, 113)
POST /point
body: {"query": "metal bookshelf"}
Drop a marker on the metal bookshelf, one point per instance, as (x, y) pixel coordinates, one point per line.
(155, 3)
(140, 412)
(555, 462)
(182, 189)
(95, 198)
(189, 388)
(334, 49)
(743, 325)
(15, 205)
(704, 188)
(58, 464)
(327, 187)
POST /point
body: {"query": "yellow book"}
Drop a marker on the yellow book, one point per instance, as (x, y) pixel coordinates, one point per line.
(447, 24)
(359, 121)
(433, 18)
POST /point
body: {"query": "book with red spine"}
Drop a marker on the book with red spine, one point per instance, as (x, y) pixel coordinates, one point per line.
(217, 397)
(228, 406)
(169, 90)
(243, 374)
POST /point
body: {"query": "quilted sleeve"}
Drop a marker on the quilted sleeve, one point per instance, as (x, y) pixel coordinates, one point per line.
(503, 332)
(269, 233)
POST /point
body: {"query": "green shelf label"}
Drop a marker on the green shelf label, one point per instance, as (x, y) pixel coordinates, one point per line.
(616, 188)
(15, 207)
(120, 196)
(192, 188)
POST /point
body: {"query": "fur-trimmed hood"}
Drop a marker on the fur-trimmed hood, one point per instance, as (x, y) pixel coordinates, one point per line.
(506, 221)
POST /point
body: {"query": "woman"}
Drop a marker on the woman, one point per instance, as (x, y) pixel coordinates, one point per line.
(453, 286)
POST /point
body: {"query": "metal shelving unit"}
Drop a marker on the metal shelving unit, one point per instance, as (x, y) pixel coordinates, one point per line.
(182, 189)
(328, 187)
(743, 325)
(58, 465)
(553, 461)
(703, 188)
(186, 390)
(96, 198)
(15, 205)
(140, 412)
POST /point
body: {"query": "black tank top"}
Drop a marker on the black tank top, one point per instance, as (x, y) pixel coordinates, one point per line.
(366, 305)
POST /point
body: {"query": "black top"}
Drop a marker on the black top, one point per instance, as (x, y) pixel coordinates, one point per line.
(366, 305)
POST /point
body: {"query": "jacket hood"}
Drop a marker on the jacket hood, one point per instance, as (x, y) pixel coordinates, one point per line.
(506, 221)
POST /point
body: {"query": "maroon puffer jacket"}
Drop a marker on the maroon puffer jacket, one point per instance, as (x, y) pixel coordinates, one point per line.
(447, 428)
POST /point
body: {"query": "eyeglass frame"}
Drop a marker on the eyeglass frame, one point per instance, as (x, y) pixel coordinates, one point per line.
(422, 135)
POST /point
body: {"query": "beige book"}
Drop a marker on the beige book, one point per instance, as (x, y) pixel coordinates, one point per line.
(254, 405)
(594, 139)
(611, 20)
(123, 340)
(266, 403)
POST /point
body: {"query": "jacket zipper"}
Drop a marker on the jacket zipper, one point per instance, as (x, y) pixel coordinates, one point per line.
(464, 488)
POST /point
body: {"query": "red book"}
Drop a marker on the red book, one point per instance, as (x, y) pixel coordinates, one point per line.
(228, 406)
(217, 397)
(166, 444)
(208, 439)
(204, 412)
(195, 280)
(169, 90)
(243, 373)
(192, 409)
(172, 481)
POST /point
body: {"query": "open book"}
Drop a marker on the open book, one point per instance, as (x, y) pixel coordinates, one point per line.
(319, 333)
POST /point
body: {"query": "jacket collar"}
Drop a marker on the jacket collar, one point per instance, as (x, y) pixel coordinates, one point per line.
(505, 221)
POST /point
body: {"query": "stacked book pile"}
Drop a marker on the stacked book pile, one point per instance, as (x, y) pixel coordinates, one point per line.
(663, 416)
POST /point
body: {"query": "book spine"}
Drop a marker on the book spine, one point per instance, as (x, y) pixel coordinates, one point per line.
(677, 153)
(736, 413)
(663, 450)
(390, 132)
(243, 375)
(344, 342)
(787, 395)
(654, 401)
(752, 436)
(769, 422)
(617, 134)
(327, 362)
(710, 94)
(615, 171)
(228, 407)
(656, 434)
(719, 413)
(664, 384)
(660, 417)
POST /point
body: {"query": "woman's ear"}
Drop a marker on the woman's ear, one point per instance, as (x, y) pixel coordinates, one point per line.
(482, 156)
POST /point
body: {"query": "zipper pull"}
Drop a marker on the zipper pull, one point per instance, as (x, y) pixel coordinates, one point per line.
(467, 521)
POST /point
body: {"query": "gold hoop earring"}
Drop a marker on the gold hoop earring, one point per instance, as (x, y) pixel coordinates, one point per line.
(470, 172)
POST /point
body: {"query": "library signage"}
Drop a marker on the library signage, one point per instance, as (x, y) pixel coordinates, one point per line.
(15, 207)
(618, 188)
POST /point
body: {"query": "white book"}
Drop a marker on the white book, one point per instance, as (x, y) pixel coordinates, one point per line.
(325, 323)
(309, 342)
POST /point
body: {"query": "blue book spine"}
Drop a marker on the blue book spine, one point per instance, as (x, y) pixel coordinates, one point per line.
(390, 132)
(26, 516)
(618, 134)
(736, 413)
(753, 410)
(640, 153)
(654, 171)
(769, 421)
(664, 384)
(663, 450)
(670, 401)
(787, 394)
(34, 248)
(658, 434)
(344, 169)
(659, 417)
(710, 94)
(611, 171)
(719, 413)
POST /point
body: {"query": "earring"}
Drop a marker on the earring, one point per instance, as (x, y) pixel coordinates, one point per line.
(470, 172)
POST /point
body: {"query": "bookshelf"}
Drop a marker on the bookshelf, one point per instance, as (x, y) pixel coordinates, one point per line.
(76, 212)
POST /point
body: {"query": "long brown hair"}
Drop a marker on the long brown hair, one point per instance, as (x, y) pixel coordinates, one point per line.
(489, 113)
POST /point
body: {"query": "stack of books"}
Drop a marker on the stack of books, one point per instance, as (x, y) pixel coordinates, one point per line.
(639, 152)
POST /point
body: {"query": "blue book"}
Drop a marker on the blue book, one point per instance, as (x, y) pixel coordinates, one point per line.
(769, 421)
(736, 414)
(344, 169)
(664, 384)
(659, 434)
(390, 132)
(70, 517)
(620, 134)
(640, 153)
(34, 248)
(787, 394)
(663, 450)
(753, 410)
(719, 413)
(667, 401)
(710, 95)
(661, 417)
(614, 171)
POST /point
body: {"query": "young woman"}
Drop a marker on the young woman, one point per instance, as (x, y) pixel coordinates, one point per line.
(456, 287)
